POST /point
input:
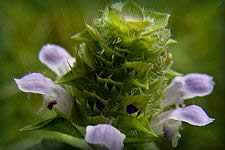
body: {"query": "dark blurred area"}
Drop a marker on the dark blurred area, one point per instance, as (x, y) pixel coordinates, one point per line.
(26, 25)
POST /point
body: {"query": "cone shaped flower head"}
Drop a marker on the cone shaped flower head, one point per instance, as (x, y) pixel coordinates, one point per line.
(120, 76)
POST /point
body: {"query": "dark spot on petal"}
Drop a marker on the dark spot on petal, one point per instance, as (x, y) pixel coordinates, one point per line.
(168, 133)
(51, 104)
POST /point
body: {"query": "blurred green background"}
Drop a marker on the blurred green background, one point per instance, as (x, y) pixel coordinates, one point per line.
(26, 25)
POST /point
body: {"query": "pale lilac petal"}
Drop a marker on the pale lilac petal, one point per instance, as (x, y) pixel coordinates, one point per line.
(189, 86)
(105, 134)
(163, 125)
(169, 123)
(192, 114)
(53, 94)
(56, 58)
(174, 93)
(197, 85)
(64, 101)
(34, 83)
(157, 124)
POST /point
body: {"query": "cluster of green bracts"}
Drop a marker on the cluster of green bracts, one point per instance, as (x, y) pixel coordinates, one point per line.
(115, 92)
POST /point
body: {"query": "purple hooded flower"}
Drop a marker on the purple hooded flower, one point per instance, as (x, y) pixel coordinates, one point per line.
(105, 135)
(56, 58)
(186, 87)
(54, 95)
(169, 123)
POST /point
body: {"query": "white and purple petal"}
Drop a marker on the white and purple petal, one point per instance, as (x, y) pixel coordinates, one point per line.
(192, 114)
(54, 95)
(56, 58)
(188, 86)
(34, 83)
(197, 85)
(174, 93)
(105, 134)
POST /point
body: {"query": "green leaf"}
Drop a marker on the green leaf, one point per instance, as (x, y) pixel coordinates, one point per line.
(57, 125)
(61, 130)
(142, 146)
(132, 12)
(68, 139)
(50, 144)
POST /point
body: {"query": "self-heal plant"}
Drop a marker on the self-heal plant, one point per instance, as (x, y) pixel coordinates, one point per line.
(118, 92)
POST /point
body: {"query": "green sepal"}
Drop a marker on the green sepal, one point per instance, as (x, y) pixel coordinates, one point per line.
(170, 74)
(160, 21)
(171, 42)
(93, 32)
(138, 73)
(131, 126)
(65, 78)
(82, 36)
(139, 26)
(79, 116)
(139, 46)
(76, 72)
(80, 83)
(132, 12)
(139, 101)
(109, 81)
(98, 120)
(117, 22)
